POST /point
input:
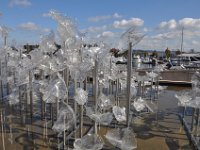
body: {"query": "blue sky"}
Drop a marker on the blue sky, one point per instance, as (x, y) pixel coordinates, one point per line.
(160, 20)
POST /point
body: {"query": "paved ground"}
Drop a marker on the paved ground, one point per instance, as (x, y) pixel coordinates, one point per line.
(163, 132)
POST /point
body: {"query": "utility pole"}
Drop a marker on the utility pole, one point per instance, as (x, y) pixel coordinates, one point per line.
(182, 41)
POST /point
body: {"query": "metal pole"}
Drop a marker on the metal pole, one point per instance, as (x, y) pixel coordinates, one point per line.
(75, 107)
(116, 91)
(95, 83)
(197, 122)
(182, 41)
(2, 131)
(66, 79)
(2, 95)
(81, 112)
(129, 73)
(5, 40)
(181, 61)
(81, 122)
(31, 96)
(192, 120)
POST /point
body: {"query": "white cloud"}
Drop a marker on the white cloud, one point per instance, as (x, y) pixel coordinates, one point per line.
(107, 34)
(116, 16)
(46, 30)
(23, 3)
(187, 23)
(128, 23)
(28, 26)
(96, 29)
(196, 42)
(100, 18)
(171, 24)
(167, 35)
(190, 23)
(145, 29)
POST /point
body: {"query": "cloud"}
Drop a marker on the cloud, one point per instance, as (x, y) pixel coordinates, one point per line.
(146, 29)
(96, 29)
(117, 16)
(23, 3)
(171, 24)
(28, 26)
(1, 14)
(128, 23)
(107, 34)
(100, 18)
(194, 42)
(190, 23)
(167, 35)
(46, 30)
(187, 23)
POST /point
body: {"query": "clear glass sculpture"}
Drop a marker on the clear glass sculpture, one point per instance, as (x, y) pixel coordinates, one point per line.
(66, 28)
(119, 113)
(81, 96)
(55, 90)
(105, 102)
(66, 119)
(183, 99)
(89, 142)
(101, 118)
(122, 138)
(47, 44)
(152, 75)
(139, 104)
(14, 96)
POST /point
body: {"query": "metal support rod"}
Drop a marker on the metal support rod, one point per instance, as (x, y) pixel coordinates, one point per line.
(57, 107)
(129, 72)
(192, 120)
(197, 122)
(20, 104)
(31, 95)
(85, 84)
(5, 40)
(116, 91)
(6, 70)
(95, 84)
(75, 107)
(52, 113)
(81, 112)
(64, 134)
(2, 95)
(2, 131)
(81, 122)
(66, 79)
(42, 106)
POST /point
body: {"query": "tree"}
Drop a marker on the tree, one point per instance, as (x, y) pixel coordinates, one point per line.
(167, 53)
(178, 52)
(145, 54)
(155, 54)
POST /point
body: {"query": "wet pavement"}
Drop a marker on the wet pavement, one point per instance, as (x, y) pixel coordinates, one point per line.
(161, 130)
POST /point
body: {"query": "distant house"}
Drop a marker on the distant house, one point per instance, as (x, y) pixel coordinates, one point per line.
(29, 48)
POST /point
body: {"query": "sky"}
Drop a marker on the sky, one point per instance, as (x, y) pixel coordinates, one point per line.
(161, 21)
